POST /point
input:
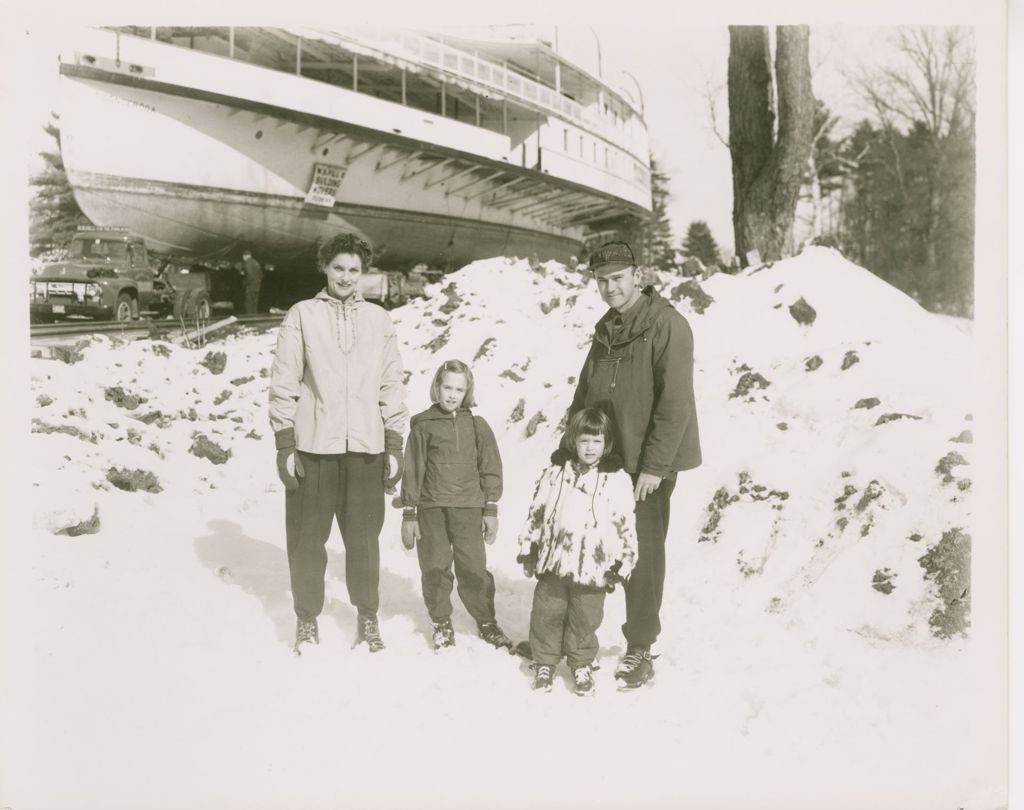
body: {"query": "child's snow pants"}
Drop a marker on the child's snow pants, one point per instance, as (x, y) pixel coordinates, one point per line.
(452, 535)
(564, 621)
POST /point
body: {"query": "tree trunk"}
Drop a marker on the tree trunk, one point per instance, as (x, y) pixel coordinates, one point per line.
(766, 168)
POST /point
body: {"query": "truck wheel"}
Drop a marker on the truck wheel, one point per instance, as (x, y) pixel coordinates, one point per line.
(190, 304)
(123, 308)
(202, 308)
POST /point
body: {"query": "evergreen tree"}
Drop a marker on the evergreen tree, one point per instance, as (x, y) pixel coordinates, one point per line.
(658, 250)
(53, 211)
(700, 244)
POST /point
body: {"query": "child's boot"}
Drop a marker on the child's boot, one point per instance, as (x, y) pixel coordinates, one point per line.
(443, 635)
(543, 677)
(491, 633)
(583, 680)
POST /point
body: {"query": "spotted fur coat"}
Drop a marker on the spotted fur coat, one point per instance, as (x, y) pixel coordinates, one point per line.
(581, 524)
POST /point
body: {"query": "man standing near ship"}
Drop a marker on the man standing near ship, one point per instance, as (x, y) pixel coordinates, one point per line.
(640, 372)
(252, 273)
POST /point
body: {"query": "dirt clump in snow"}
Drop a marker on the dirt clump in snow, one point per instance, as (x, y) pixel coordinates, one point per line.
(122, 398)
(485, 349)
(868, 403)
(548, 306)
(802, 312)
(38, 426)
(214, 362)
(133, 480)
(534, 423)
(948, 565)
(69, 353)
(813, 363)
(882, 581)
(851, 358)
(452, 299)
(946, 465)
(203, 447)
(749, 381)
(691, 290)
(90, 525)
(892, 417)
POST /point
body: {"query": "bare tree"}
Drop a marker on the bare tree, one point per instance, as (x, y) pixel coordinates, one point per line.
(932, 90)
(768, 165)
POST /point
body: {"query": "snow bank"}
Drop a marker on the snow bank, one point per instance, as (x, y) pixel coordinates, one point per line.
(797, 650)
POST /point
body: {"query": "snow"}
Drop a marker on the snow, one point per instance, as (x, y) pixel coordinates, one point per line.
(157, 669)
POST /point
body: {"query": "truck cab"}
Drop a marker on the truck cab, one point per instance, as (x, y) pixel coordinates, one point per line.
(109, 274)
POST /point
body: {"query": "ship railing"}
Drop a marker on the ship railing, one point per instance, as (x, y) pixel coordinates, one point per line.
(469, 67)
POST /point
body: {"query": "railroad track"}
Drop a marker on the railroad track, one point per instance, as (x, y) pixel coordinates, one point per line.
(45, 338)
(135, 329)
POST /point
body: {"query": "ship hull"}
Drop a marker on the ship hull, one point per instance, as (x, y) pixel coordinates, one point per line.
(202, 176)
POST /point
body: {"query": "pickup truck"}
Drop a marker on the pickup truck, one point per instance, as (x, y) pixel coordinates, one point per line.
(109, 274)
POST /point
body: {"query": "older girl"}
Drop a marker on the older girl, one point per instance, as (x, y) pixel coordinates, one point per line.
(450, 494)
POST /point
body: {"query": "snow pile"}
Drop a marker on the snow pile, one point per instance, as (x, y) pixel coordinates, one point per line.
(813, 606)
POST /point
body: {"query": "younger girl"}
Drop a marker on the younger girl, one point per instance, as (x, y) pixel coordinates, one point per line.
(450, 491)
(580, 540)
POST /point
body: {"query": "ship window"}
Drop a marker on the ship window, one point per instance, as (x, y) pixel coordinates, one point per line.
(565, 140)
(594, 159)
(581, 146)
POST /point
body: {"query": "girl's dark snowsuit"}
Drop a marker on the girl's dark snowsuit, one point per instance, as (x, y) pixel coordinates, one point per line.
(452, 478)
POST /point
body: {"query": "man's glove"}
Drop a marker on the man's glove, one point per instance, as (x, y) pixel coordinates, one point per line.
(392, 459)
(490, 524)
(410, 529)
(529, 566)
(284, 441)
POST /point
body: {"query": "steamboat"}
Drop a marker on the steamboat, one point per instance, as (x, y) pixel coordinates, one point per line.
(439, 148)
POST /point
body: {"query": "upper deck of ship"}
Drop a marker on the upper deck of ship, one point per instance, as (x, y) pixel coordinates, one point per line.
(556, 115)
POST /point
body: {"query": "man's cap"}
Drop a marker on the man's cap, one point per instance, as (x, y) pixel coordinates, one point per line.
(611, 257)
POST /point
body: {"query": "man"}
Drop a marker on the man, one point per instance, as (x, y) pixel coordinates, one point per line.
(640, 371)
(252, 274)
(337, 409)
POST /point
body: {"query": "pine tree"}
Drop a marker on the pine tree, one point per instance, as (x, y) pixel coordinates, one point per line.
(53, 211)
(658, 240)
(700, 244)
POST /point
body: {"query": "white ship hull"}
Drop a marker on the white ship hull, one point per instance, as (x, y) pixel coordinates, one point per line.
(203, 170)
